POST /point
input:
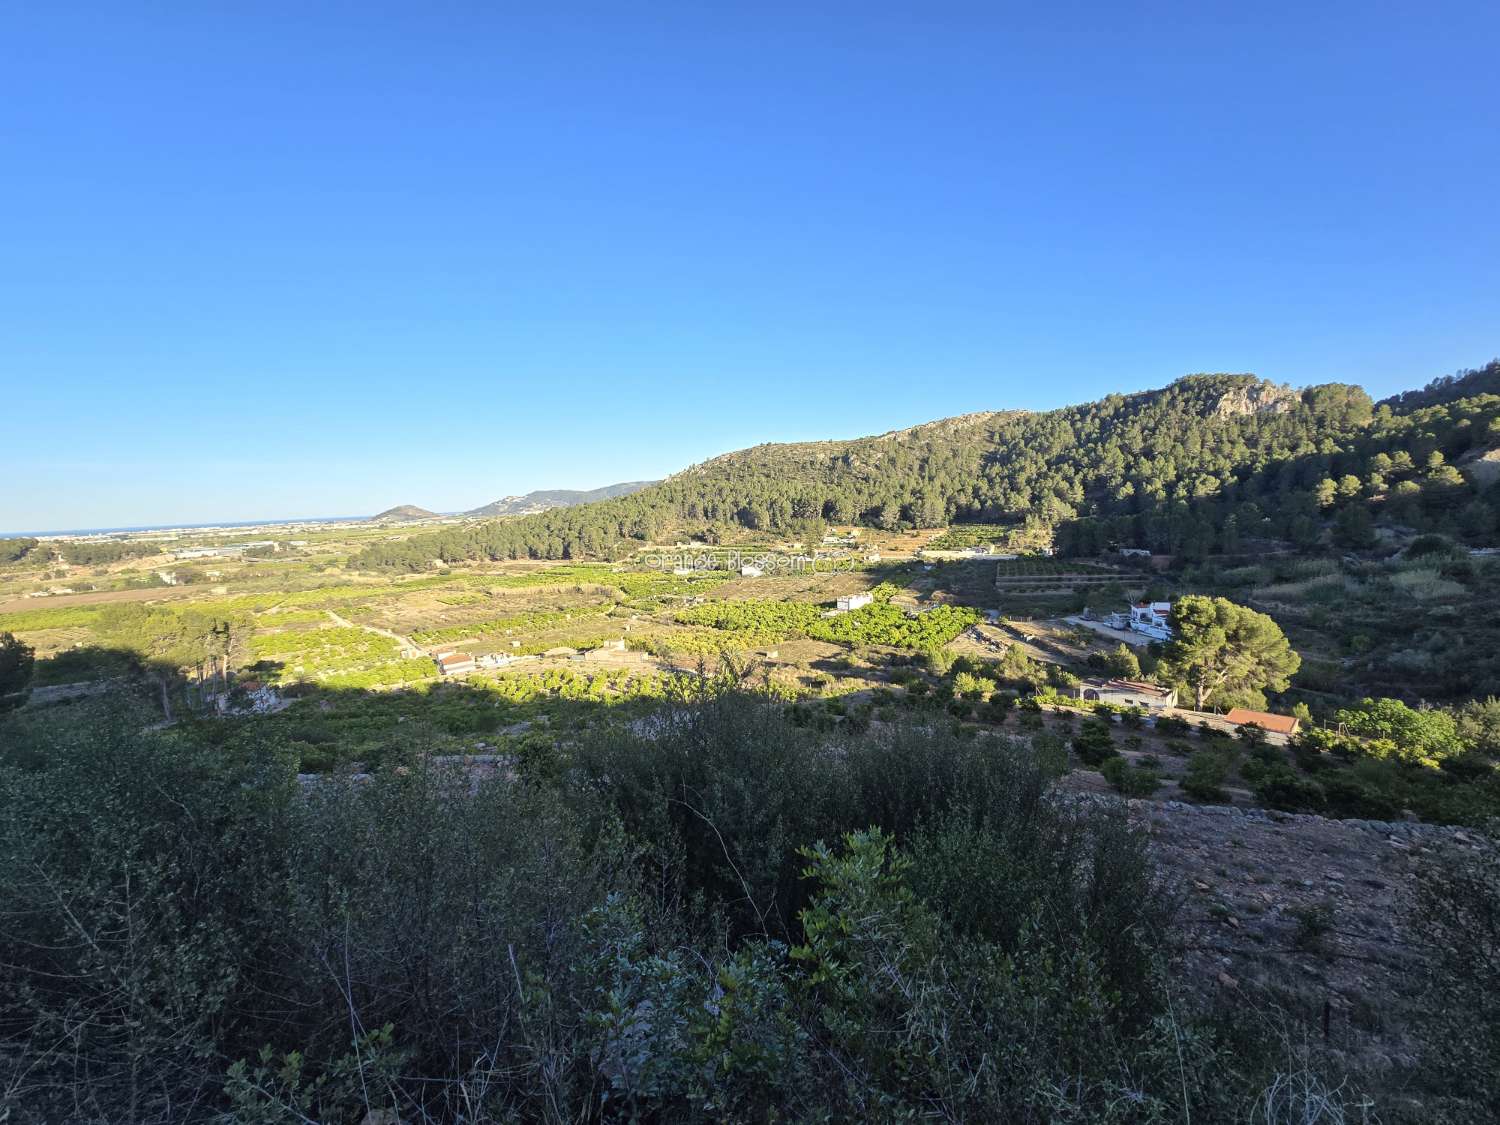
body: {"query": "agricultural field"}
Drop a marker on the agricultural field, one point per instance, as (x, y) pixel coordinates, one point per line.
(1422, 627)
(962, 537)
(563, 643)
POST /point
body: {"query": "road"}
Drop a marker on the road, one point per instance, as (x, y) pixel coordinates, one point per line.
(1124, 635)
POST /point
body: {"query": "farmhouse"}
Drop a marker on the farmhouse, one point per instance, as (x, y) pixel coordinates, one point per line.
(748, 571)
(452, 663)
(1128, 693)
(854, 601)
(1276, 724)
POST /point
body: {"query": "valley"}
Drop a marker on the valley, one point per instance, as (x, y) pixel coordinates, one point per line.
(1256, 625)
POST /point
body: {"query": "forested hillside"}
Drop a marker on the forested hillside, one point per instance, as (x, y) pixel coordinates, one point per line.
(1202, 465)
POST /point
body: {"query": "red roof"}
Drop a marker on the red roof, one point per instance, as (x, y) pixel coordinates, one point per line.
(1280, 724)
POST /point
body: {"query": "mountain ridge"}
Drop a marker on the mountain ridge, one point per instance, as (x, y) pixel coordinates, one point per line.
(1199, 466)
(541, 500)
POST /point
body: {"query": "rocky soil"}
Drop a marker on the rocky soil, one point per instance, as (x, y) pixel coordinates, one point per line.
(1302, 909)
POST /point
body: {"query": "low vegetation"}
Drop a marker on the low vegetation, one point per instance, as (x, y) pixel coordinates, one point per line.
(726, 917)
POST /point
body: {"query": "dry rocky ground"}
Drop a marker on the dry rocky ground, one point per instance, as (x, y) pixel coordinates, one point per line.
(1308, 911)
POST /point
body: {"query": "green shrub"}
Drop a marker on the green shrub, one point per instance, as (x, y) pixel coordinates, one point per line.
(1172, 726)
(1347, 796)
(1132, 781)
(1204, 780)
(1278, 787)
(1093, 743)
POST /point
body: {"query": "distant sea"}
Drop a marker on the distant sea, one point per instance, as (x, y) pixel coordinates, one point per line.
(180, 527)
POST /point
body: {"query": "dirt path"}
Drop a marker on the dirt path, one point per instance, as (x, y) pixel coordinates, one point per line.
(1136, 640)
(409, 651)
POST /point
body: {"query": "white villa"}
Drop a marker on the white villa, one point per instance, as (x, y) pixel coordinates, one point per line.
(1150, 619)
(854, 601)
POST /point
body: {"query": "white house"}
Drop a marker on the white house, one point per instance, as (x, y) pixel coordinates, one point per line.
(854, 601)
(1150, 620)
(1128, 693)
(1135, 552)
(748, 571)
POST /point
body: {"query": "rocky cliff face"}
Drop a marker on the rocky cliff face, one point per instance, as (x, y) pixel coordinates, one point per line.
(1262, 398)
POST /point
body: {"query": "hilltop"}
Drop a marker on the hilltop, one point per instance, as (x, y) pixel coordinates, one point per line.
(404, 512)
(542, 500)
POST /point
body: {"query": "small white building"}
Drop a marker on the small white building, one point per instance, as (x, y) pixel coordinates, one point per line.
(1128, 693)
(854, 601)
(1135, 552)
(748, 571)
(454, 663)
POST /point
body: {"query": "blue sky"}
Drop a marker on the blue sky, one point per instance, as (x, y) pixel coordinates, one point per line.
(270, 260)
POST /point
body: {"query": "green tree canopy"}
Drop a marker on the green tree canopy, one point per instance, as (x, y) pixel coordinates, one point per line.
(16, 662)
(1220, 649)
(1419, 735)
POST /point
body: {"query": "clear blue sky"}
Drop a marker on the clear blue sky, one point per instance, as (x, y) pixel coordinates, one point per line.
(285, 259)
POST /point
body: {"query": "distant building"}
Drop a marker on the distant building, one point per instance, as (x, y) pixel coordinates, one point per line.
(617, 645)
(453, 663)
(1276, 724)
(748, 571)
(1135, 552)
(1150, 620)
(1128, 693)
(854, 601)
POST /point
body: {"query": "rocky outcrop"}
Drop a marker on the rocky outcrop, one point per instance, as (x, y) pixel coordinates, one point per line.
(1260, 398)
